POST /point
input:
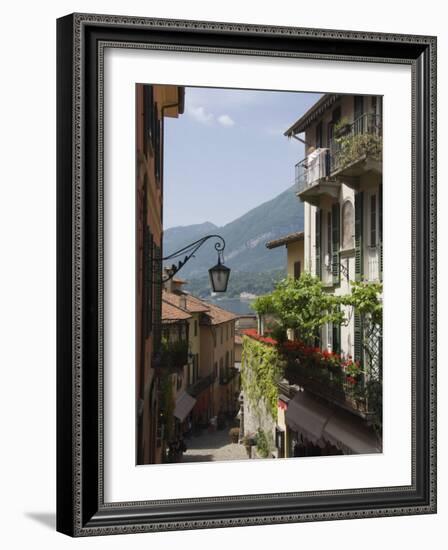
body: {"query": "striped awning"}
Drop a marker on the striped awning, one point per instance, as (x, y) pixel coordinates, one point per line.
(319, 421)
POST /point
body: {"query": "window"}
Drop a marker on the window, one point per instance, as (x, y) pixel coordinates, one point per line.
(335, 117)
(318, 235)
(147, 279)
(329, 336)
(373, 220)
(147, 116)
(297, 269)
(347, 225)
(157, 144)
(195, 327)
(329, 235)
(358, 106)
(222, 334)
(195, 367)
(319, 141)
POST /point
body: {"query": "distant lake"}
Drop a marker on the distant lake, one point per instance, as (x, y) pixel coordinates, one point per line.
(235, 305)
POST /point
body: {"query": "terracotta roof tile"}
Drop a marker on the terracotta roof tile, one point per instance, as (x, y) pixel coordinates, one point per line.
(216, 315)
(173, 313)
(185, 301)
(286, 239)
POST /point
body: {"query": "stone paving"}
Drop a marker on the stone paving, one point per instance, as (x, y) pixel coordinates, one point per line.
(213, 446)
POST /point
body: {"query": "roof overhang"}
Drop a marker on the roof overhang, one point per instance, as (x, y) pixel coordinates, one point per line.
(287, 239)
(312, 114)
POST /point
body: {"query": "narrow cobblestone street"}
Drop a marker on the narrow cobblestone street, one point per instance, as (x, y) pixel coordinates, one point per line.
(213, 446)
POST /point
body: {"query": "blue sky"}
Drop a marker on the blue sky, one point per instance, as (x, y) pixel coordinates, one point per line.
(227, 153)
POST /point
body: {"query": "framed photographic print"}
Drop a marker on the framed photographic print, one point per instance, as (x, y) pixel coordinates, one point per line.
(246, 315)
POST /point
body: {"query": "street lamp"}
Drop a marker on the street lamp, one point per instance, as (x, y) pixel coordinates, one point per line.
(219, 274)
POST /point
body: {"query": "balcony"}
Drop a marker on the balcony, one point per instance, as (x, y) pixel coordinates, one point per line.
(172, 356)
(331, 385)
(312, 177)
(200, 385)
(356, 148)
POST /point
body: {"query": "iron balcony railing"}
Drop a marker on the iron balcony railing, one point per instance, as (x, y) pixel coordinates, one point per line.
(311, 169)
(331, 385)
(360, 138)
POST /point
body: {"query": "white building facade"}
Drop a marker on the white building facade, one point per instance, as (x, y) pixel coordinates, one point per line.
(340, 183)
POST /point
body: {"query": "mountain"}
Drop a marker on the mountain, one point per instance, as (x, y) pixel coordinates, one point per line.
(245, 238)
(176, 237)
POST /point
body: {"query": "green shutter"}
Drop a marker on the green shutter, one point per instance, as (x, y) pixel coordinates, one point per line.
(318, 243)
(359, 207)
(335, 238)
(157, 296)
(358, 337)
(336, 338)
(147, 280)
(147, 115)
(380, 230)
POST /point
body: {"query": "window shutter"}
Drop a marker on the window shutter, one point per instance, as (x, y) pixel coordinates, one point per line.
(358, 106)
(156, 142)
(358, 337)
(373, 221)
(157, 296)
(380, 230)
(319, 135)
(147, 262)
(148, 115)
(335, 237)
(318, 244)
(336, 338)
(359, 200)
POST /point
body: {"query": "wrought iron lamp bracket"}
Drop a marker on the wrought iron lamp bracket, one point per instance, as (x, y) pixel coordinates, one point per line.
(189, 252)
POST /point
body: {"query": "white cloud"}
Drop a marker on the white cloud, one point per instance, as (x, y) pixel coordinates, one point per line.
(200, 114)
(203, 116)
(225, 120)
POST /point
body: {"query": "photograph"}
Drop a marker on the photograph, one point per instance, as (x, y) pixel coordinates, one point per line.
(259, 274)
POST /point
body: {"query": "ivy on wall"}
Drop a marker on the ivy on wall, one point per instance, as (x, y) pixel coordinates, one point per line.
(167, 405)
(261, 371)
(262, 443)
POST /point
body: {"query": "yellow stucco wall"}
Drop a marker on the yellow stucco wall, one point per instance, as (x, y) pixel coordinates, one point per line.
(295, 253)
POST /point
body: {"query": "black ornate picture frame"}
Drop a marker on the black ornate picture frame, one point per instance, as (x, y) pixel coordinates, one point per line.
(81, 508)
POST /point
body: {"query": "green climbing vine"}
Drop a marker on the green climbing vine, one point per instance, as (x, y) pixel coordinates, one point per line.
(262, 369)
(167, 405)
(351, 147)
(262, 442)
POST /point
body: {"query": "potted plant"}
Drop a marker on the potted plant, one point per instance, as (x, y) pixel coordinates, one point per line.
(234, 435)
(341, 127)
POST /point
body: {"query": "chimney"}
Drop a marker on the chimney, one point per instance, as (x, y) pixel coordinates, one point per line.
(169, 284)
